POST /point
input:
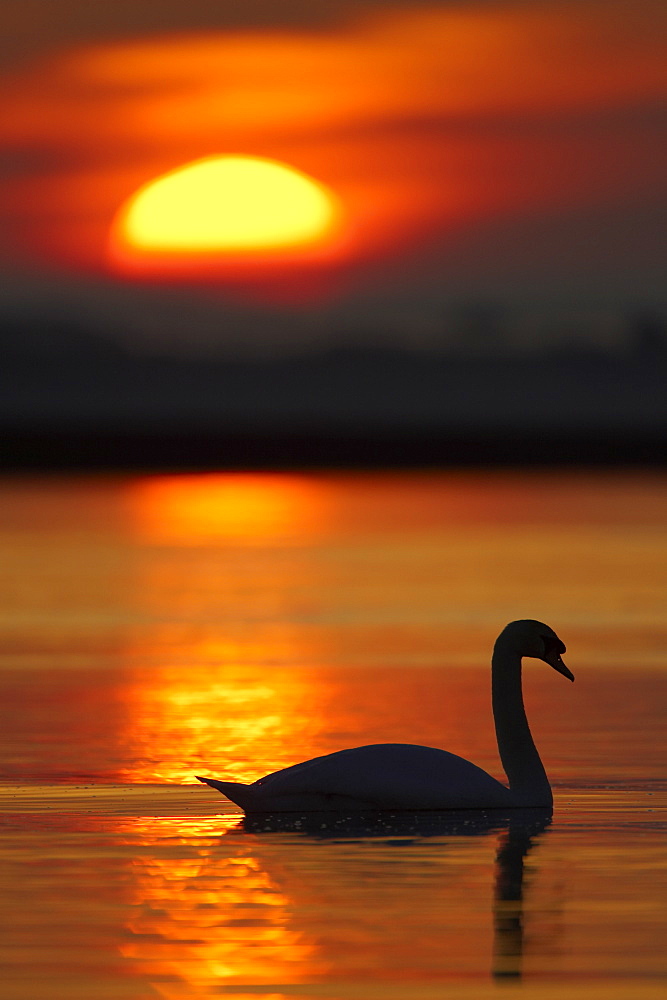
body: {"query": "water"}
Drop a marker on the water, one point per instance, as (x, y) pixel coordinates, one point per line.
(158, 627)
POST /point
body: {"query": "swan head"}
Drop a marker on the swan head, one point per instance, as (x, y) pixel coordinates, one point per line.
(531, 638)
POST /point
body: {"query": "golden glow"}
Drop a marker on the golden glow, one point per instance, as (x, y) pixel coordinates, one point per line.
(251, 915)
(220, 715)
(229, 204)
(213, 918)
(243, 507)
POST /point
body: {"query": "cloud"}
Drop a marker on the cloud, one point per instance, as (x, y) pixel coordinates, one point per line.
(418, 116)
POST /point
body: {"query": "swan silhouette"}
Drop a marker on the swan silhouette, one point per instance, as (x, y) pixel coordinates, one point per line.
(401, 776)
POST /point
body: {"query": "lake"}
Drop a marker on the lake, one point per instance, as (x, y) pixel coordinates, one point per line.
(157, 627)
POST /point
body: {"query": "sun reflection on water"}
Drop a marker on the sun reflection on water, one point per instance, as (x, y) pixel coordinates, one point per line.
(154, 629)
(214, 907)
(243, 507)
(224, 718)
(209, 916)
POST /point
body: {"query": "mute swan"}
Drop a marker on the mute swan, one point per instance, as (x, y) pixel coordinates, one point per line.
(400, 776)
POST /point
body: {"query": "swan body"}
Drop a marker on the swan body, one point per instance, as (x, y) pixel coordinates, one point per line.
(402, 776)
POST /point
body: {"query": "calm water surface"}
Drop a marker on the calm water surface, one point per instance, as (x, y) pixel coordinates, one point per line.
(158, 627)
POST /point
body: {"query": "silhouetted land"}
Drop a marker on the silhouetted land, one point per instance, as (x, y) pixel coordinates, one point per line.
(75, 449)
(77, 407)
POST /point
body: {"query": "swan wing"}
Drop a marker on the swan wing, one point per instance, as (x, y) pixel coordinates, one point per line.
(256, 798)
(383, 776)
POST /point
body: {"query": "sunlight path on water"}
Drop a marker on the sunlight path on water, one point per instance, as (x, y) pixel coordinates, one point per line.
(193, 906)
(155, 628)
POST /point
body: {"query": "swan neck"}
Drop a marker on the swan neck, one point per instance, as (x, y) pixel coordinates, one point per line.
(527, 778)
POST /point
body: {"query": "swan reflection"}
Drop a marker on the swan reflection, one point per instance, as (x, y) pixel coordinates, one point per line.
(299, 899)
(508, 900)
(382, 823)
(519, 828)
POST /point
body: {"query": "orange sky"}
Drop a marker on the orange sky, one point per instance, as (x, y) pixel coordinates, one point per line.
(424, 120)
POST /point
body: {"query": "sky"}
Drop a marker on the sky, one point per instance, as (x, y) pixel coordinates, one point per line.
(491, 150)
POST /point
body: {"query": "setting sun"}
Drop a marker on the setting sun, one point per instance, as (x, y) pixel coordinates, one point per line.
(227, 204)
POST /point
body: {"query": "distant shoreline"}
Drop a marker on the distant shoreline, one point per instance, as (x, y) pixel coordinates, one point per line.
(173, 449)
(344, 409)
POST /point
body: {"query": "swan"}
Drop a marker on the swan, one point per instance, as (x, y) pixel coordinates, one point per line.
(401, 776)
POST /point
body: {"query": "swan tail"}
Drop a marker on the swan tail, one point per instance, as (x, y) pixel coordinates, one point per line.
(235, 790)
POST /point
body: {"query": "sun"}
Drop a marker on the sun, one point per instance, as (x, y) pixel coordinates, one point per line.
(226, 205)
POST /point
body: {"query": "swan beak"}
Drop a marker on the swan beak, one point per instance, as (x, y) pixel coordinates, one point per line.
(555, 661)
